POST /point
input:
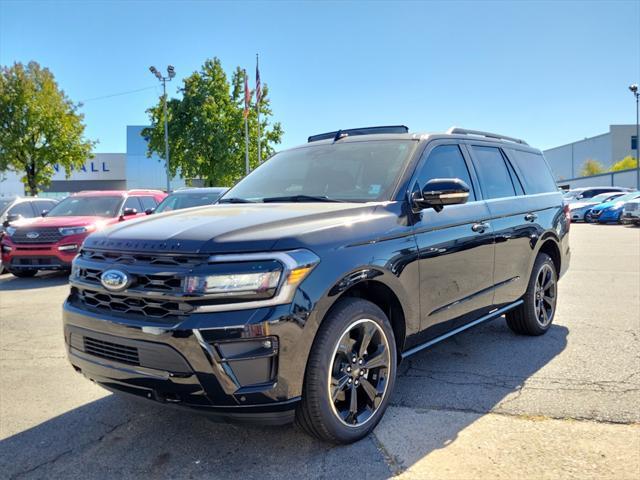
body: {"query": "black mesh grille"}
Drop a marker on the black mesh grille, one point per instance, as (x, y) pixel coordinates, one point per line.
(36, 235)
(161, 282)
(142, 259)
(122, 304)
(111, 351)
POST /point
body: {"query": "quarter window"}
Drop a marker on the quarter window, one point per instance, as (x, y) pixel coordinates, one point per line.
(535, 173)
(446, 161)
(492, 170)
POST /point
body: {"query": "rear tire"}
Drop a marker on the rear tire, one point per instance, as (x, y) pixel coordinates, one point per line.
(350, 373)
(535, 315)
(23, 273)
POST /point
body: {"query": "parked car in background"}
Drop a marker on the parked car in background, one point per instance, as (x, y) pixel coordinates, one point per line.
(17, 208)
(51, 242)
(189, 197)
(610, 212)
(297, 294)
(580, 208)
(631, 212)
(577, 194)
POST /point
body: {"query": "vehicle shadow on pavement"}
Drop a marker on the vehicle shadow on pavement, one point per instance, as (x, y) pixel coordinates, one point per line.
(441, 391)
(116, 437)
(42, 280)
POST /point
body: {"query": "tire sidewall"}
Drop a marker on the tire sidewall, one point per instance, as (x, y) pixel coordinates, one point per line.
(543, 259)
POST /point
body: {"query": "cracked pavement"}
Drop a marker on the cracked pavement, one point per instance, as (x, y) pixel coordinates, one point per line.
(484, 404)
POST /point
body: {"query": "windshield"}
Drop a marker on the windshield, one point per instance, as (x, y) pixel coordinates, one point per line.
(627, 197)
(353, 172)
(87, 206)
(603, 197)
(178, 201)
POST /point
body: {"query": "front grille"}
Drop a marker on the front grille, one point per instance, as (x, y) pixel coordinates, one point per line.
(160, 282)
(143, 259)
(631, 207)
(111, 351)
(32, 261)
(123, 304)
(596, 213)
(40, 235)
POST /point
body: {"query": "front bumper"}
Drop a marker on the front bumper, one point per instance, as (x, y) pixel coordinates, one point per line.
(244, 366)
(609, 216)
(38, 256)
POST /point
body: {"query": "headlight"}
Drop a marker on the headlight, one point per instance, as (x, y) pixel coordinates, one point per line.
(250, 280)
(10, 230)
(75, 230)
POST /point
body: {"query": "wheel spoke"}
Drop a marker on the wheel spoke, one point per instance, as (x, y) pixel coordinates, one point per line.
(377, 359)
(346, 346)
(548, 299)
(545, 318)
(353, 404)
(370, 390)
(368, 330)
(337, 385)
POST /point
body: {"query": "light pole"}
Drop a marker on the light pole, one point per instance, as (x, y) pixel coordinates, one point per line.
(170, 74)
(636, 93)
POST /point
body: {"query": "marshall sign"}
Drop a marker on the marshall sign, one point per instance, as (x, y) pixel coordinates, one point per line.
(103, 166)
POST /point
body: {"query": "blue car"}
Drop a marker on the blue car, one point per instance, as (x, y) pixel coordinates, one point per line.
(610, 212)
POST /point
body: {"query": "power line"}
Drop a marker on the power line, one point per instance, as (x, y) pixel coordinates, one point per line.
(117, 94)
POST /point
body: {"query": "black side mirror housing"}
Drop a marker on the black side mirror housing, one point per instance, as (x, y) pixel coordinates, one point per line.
(149, 211)
(43, 213)
(439, 192)
(127, 212)
(12, 217)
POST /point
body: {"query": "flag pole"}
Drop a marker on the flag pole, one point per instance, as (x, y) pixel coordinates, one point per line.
(258, 95)
(246, 123)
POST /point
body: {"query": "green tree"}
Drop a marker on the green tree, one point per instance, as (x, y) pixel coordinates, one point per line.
(206, 127)
(39, 126)
(625, 164)
(591, 167)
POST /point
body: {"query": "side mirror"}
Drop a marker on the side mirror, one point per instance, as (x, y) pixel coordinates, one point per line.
(43, 213)
(12, 217)
(127, 212)
(439, 192)
(149, 211)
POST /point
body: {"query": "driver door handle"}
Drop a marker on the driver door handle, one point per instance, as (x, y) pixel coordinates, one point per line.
(480, 227)
(531, 217)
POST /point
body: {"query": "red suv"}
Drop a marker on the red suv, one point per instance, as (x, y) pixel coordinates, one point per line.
(51, 242)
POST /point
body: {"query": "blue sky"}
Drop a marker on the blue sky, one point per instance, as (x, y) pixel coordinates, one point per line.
(550, 72)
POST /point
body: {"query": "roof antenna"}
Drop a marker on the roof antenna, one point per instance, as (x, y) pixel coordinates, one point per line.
(339, 135)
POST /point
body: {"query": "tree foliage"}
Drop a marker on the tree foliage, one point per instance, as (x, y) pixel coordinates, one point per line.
(206, 127)
(39, 126)
(625, 164)
(592, 167)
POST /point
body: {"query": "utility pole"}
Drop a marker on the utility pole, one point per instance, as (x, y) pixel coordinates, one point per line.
(170, 74)
(636, 93)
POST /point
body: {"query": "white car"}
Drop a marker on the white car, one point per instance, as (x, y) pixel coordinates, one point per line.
(579, 209)
(631, 212)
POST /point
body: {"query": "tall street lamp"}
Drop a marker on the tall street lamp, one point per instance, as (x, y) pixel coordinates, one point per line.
(170, 74)
(636, 93)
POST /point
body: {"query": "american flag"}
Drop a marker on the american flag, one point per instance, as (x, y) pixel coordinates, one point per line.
(258, 87)
(247, 95)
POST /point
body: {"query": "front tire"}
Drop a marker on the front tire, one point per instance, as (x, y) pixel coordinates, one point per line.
(350, 373)
(23, 273)
(535, 315)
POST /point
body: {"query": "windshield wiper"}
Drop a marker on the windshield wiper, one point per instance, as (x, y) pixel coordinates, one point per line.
(235, 200)
(301, 198)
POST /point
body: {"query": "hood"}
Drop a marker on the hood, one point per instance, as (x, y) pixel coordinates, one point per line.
(230, 228)
(63, 221)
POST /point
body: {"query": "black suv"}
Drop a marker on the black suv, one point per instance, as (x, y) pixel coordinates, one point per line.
(298, 295)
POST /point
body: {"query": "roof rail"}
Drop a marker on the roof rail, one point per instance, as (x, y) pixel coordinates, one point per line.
(465, 131)
(337, 135)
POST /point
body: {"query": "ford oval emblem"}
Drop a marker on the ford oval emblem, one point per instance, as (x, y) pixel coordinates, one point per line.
(33, 235)
(114, 280)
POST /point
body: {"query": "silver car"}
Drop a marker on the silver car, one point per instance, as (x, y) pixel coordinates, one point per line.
(631, 212)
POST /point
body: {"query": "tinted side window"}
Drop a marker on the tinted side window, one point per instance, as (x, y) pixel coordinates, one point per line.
(132, 202)
(148, 202)
(23, 208)
(446, 161)
(493, 172)
(534, 172)
(40, 205)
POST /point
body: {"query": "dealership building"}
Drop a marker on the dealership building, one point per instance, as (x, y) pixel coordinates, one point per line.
(105, 171)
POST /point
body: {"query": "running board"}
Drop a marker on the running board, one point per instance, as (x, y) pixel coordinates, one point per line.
(489, 316)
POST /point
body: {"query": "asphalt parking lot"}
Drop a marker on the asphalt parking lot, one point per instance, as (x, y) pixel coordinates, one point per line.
(485, 404)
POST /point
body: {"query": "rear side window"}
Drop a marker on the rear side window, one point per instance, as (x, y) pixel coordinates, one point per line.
(446, 161)
(148, 202)
(534, 172)
(492, 170)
